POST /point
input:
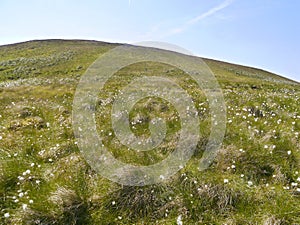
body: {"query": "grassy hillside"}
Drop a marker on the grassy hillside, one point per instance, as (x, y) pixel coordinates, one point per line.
(255, 179)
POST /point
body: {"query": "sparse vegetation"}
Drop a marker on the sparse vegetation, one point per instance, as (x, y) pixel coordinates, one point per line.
(255, 179)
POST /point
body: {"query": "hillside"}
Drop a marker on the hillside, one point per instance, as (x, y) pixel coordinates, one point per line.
(44, 179)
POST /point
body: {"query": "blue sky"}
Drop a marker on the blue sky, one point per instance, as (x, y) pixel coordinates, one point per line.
(259, 33)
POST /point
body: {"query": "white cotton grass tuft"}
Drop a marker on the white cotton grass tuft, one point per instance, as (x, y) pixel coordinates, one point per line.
(179, 220)
(24, 207)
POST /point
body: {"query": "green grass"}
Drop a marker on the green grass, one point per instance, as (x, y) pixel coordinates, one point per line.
(45, 180)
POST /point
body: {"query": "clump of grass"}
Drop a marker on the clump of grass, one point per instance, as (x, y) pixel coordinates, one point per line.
(67, 208)
(139, 202)
(73, 208)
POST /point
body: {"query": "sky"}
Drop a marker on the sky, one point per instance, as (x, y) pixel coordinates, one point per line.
(259, 33)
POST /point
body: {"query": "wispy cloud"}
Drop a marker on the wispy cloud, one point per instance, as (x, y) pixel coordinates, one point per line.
(210, 12)
(200, 17)
(194, 20)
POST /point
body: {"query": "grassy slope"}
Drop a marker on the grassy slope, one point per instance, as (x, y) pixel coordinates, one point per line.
(41, 162)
